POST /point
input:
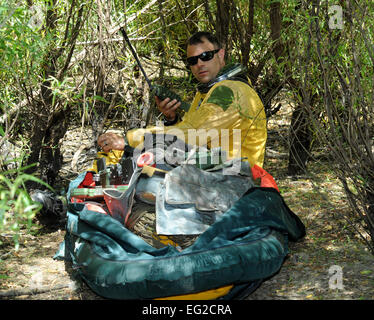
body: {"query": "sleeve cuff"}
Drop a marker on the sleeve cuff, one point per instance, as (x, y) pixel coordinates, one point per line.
(170, 123)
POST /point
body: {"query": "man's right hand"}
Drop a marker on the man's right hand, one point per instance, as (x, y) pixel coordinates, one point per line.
(168, 107)
(111, 141)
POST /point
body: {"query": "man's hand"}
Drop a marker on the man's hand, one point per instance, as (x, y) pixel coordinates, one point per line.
(168, 107)
(111, 141)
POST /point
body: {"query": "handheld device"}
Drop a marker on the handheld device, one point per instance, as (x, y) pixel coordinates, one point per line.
(157, 90)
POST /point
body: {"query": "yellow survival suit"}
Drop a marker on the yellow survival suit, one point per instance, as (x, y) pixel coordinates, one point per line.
(230, 114)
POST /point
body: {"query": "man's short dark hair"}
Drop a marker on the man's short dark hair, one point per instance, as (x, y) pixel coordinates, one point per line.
(198, 37)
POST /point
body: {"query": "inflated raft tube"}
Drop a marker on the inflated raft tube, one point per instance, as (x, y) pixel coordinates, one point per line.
(246, 244)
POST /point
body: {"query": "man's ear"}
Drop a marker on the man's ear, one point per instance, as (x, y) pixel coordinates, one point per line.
(221, 54)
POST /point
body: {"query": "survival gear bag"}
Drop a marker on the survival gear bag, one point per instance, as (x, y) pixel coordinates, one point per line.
(192, 184)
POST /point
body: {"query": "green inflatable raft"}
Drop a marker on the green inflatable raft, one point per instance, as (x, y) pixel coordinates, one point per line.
(245, 245)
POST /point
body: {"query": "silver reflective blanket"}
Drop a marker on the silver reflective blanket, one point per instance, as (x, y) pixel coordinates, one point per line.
(190, 199)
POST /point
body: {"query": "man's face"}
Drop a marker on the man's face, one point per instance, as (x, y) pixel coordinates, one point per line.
(204, 71)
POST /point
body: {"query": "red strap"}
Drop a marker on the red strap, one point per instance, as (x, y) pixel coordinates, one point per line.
(88, 181)
(267, 180)
(95, 207)
(146, 159)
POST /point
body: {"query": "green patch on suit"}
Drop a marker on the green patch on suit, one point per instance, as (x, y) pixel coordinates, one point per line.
(222, 96)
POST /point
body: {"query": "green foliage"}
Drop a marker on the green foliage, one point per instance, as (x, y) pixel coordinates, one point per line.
(336, 77)
(17, 209)
(21, 46)
(21, 51)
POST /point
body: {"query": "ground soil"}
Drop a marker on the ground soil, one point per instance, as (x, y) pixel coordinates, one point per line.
(311, 271)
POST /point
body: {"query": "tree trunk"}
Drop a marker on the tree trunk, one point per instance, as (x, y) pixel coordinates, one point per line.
(49, 117)
(370, 207)
(51, 157)
(42, 108)
(272, 83)
(223, 21)
(300, 142)
(275, 18)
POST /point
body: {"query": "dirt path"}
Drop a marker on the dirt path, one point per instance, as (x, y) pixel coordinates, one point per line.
(329, 263)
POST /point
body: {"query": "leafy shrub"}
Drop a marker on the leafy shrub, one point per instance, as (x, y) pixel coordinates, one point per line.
(17, 209)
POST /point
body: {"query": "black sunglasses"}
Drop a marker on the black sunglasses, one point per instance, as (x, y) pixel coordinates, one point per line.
(205, 56)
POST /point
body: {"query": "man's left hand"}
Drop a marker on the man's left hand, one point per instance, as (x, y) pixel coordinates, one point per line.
(168, 107)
